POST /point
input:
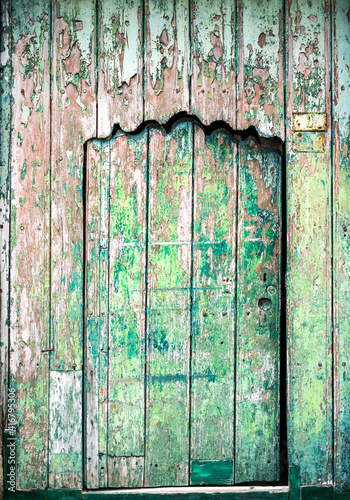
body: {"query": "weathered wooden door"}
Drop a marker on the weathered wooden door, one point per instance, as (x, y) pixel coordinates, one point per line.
(183, 240)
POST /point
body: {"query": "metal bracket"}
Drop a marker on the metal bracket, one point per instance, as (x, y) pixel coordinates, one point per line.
(309, 132)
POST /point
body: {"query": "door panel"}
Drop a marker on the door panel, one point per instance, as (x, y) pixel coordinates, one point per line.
(168, 331)
(183, 308)
(258, 310)
(127, 268)
(213, 339)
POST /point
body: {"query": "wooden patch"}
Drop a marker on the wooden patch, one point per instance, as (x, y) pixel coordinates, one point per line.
(65, 443)
(211, 472)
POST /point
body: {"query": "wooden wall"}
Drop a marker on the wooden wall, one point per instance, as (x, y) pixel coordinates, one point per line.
(71, 71)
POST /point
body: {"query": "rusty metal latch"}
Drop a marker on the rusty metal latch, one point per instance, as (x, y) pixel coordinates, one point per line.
(309, 132)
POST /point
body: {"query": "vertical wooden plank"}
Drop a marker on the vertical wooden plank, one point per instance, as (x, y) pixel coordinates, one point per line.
(73, 120)
(126, 412)
(103, 313)
(341, 249)
(167, 40)
(92, 402)
(213, 82)
(168, 341)
(5, 197)
(120, 74)
(30, 237)
(65, 432)
(213, 344)
(73, 108)
(260, 99)
(97, 220)
(309, 250)
(258, 313)
(93, 221)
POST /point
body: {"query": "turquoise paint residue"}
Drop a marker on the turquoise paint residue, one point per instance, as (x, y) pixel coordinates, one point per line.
(24, 170)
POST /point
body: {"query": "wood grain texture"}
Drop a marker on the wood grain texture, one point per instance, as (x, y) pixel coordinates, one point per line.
(65, 437)
(254, 492)
(260, 92)
(30, 238)
(120, 65)
(92, 363)
(103, 287)
(168, 340)
(125, 472)
(127, 269)
(5, 200)
(341, 249)
(73, 120)
(213, 344)
(258, 313)
(167, 58)
(73, 115)
(309, 251)
(213, 79)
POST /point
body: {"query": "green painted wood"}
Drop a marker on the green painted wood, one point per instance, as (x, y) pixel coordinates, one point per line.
(26, 495)
(126, 472)
(92, 365)
(258, 313)
(120, 76)
(65, 442)
(30, 237)
(260, 79)
(104, 193)
(64, 494)
(168, 329)
(73, 121)
(308, 182)
(91, 439)
(5, 201)
(213, 343)
(213, 85)
(128, 194)
(341, 248)
(211, 472)
(316, 493)
(294, 483)
(213, 383)
(188, 495)
(215, 218)
(97, 240)
(167, 58)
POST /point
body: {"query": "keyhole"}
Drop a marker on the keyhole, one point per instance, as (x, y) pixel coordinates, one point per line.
(265, 304)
